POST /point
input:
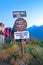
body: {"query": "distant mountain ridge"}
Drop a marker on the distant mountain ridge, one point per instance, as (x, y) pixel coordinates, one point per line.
(36, 32)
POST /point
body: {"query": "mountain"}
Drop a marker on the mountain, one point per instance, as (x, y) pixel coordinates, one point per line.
(36, 32)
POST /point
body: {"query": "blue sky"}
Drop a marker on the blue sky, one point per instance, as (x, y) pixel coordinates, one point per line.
(34, 9)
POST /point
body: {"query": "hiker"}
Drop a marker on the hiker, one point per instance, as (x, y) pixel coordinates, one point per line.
(1, 33)
(7, 36)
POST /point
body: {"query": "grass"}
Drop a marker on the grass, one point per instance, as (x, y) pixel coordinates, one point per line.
(33, 50)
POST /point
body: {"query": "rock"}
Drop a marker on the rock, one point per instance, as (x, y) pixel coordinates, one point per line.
(21, 62)
(12, 61)
(3, 63)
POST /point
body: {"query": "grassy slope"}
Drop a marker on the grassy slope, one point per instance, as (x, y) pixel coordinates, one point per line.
(33, 50)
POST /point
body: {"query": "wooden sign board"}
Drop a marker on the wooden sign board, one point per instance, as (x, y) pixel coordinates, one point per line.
(19, 14)
(20, 24)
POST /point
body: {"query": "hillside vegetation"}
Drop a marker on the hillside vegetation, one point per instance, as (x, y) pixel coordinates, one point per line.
(33, 52)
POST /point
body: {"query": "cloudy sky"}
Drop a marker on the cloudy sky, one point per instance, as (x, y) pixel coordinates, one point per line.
(33, 8)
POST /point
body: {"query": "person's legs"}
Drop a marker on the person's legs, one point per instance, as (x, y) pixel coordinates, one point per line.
(0, 39)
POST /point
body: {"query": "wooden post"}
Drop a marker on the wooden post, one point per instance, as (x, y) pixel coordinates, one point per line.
(22, 47)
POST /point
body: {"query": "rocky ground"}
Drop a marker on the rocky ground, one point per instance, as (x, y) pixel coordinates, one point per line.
(3, 63)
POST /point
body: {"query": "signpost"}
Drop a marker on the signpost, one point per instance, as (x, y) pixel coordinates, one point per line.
(20, 25)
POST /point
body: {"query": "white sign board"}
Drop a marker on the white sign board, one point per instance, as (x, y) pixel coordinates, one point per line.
(21, 35)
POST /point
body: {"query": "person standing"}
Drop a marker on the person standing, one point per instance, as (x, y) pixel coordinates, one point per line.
(3, 36)
(7, 36)
(1, 33)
